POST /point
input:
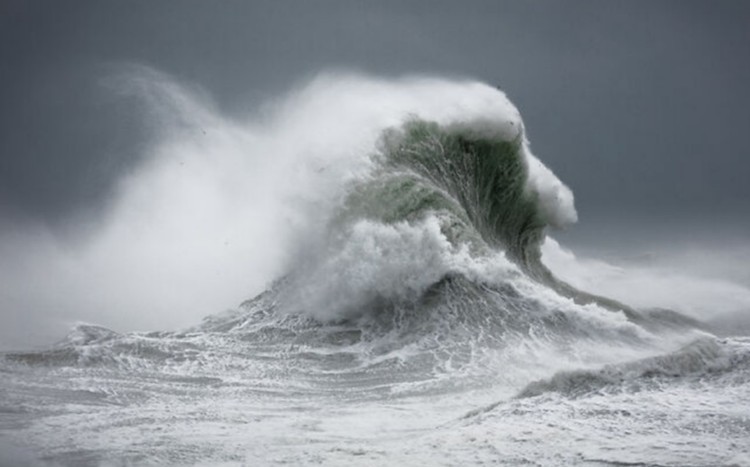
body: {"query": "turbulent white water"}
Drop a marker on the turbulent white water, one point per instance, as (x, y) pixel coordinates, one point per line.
(411, 320)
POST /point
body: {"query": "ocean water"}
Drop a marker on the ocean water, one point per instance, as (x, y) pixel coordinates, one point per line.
(421, 315)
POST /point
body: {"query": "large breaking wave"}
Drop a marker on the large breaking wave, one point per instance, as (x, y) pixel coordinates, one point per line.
(411, 206)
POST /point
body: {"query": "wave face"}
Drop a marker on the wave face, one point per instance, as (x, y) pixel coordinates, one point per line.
(476, 186)
(414, 323)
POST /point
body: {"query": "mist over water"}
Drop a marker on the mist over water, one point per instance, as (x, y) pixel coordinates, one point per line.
(359, 272)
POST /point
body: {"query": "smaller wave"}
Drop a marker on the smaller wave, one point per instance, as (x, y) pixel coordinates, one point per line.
(84, 334)
(701, 358)
(89, 345)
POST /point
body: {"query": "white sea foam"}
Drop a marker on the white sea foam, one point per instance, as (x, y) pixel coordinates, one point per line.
(371, 261)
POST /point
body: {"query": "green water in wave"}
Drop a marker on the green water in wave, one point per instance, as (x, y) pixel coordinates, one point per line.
(476, 186)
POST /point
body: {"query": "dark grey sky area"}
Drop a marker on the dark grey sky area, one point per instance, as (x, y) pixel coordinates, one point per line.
(642, 107)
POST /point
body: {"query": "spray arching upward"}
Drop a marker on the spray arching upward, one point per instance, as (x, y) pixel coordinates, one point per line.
(219, 205)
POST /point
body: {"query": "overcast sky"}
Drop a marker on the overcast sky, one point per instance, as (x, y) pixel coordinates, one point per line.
(641, 107)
